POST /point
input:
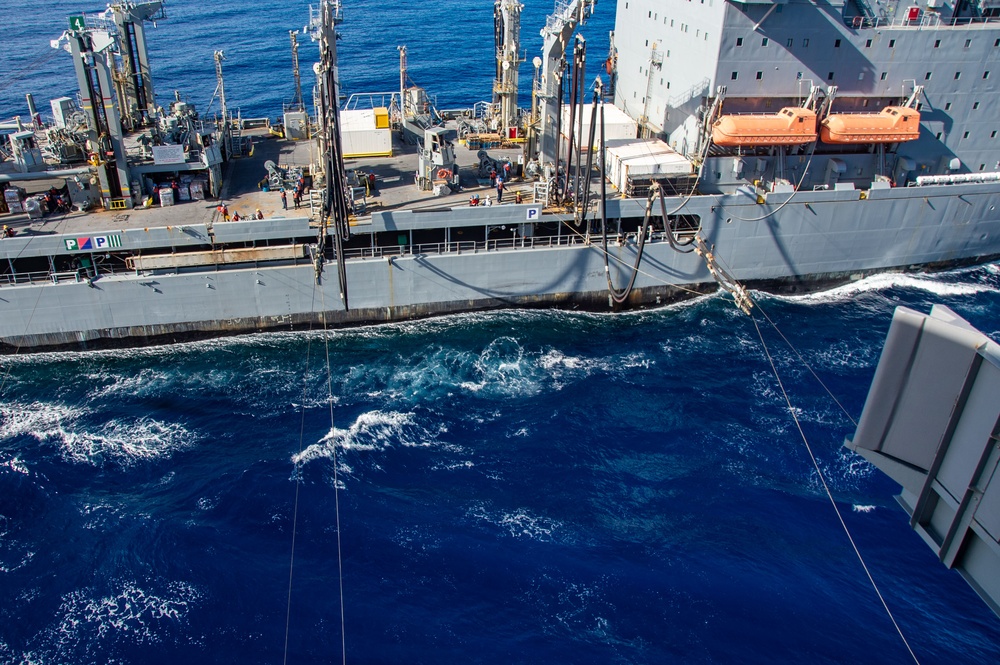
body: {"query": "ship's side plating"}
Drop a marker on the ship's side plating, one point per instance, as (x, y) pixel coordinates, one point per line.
(794, 216)
(824, 235)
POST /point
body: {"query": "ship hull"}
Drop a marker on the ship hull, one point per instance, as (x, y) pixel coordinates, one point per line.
(793, 242)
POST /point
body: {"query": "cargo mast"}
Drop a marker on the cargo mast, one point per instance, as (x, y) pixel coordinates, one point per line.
(558, 29)
(507, 38)
(334, 213)
(112, 69)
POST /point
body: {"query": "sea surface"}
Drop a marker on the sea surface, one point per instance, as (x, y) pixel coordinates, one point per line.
(513, 486)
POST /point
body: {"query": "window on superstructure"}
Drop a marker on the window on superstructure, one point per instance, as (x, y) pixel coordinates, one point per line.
(958, 75)
(805, 42)
(734, 76)
(798, 76)
(993, 134)
(927, 76)
(938, 136)
(965, 135)
(836, 43)
(788, 43)
(986, 75)
(864, 102)
(764, 41)
(975, 105)
(861, 76)
(882, 77)
(937, 43)
(739, 41)
(996, 43)
(968, 43)
(760, 75)
(892, 43)
(650, 14)
(868, 44)
(829, 77)
(982, 167)
(947, 106)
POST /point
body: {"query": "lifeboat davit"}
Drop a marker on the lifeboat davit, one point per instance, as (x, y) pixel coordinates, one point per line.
(789, 126)
(892, 125)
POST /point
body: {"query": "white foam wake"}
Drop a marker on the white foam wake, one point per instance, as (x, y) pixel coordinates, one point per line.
(122, 440)
(883, 282)
(373, 430)
(130, 613)
(519, 523)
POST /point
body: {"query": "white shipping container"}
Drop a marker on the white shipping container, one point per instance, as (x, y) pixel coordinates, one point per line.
(366, 143)
(617, 125)
(643, 158)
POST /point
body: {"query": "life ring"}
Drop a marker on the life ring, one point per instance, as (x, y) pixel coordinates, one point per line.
(858, 20)
(443, 174)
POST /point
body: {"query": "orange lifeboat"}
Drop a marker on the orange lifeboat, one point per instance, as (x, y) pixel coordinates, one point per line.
(789, 126)
(892, 125)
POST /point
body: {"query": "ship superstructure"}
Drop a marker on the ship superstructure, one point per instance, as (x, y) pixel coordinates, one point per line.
(782, 145)
(685, 61)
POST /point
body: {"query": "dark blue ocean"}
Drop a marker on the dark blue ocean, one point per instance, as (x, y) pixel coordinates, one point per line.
(512, 486)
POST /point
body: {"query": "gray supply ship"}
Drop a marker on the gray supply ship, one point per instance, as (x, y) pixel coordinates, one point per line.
(786, 145)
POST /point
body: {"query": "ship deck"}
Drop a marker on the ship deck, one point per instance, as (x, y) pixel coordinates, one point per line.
(394, 178)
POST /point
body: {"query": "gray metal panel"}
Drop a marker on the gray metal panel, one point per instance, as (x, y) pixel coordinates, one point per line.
(979, 568)
(160, 237)
(889, 379)
(978, 418)
(935, 379)
(944, 420)
(246, 231)
(988, 513)
(480, 215)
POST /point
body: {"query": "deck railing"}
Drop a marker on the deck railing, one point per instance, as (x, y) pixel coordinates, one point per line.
(926, 21)
(515, 243)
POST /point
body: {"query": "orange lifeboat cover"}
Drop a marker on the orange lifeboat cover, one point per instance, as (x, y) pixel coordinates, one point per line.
(891, 125)
(789, 126)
